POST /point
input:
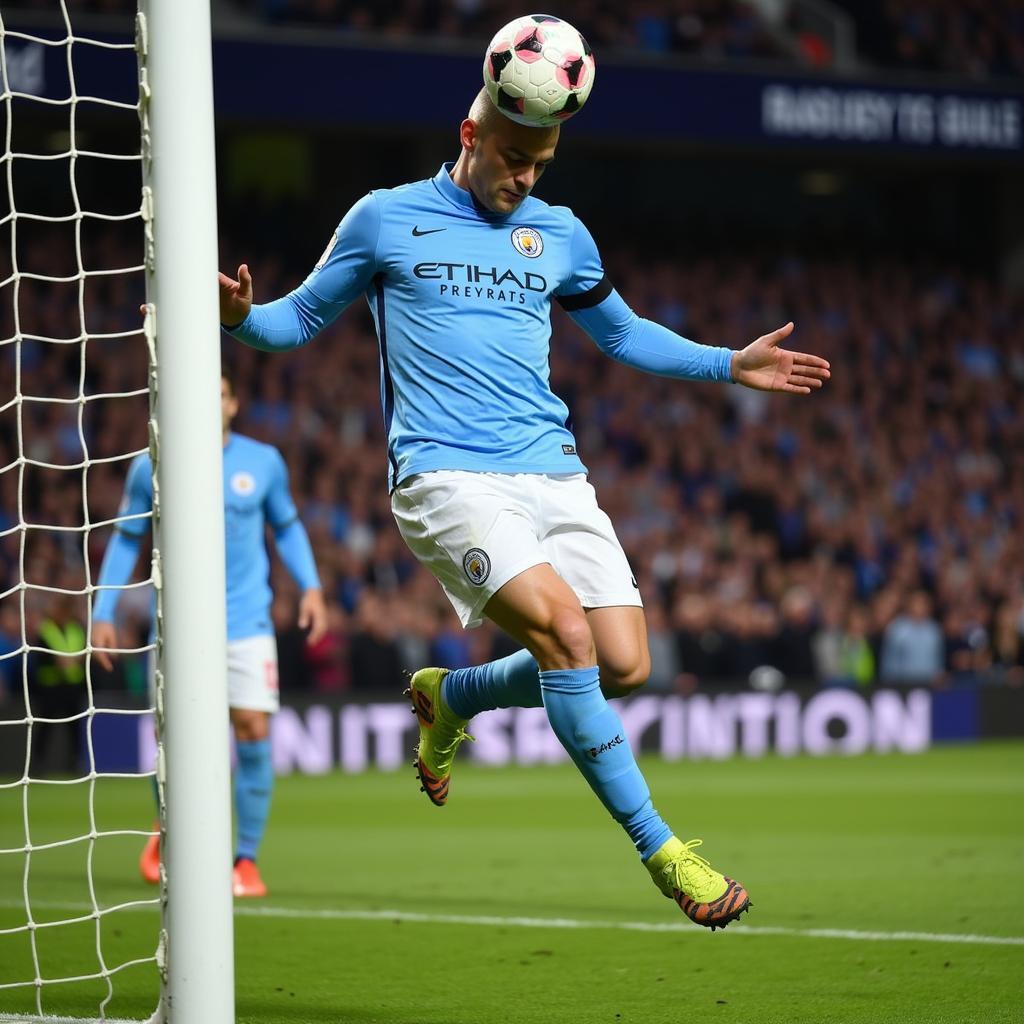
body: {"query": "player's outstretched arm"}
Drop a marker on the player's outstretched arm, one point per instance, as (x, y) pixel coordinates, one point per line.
(763, 366)
(235, 297)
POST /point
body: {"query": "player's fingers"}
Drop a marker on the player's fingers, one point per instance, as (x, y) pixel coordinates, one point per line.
(818, 372)
(805, 382)
(795, 389)
(317, 630)
(104, 659)
(806, 359)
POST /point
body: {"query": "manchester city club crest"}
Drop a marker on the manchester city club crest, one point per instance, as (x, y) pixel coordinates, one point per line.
(477, 566)
(527, 242)
(242, 483)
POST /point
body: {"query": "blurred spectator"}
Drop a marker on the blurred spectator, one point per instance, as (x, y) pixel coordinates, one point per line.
(1008, 643)
(912, 645)
(293, 669)
(665, 665)
(328, 660)
(57, 690)
(856, 658)
(794, 654)
(10, 664)
(375, 663)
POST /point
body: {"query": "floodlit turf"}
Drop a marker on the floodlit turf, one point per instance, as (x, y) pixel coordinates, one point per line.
(929, 844)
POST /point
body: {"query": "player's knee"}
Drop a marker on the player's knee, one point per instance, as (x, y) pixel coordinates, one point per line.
(625, 676)
(250, 726)
(569, 639)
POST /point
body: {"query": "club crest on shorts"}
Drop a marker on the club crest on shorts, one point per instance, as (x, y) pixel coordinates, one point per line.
(242, 483)
(527, 242)
(477, 566)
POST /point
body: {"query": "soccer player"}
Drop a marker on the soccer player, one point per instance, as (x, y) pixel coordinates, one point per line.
(487, 488)
(255, 495)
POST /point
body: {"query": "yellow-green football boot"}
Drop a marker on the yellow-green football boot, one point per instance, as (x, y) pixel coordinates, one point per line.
(441, 732)
(704, 896)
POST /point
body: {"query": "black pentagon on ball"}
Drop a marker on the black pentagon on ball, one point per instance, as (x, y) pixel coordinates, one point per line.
(587, 51)
(541, 18)
(531, 42)
(573, 69)
(506, 101)
(500, 60)
(571, 105)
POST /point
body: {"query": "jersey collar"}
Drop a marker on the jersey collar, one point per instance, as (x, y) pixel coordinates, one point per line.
(461, 197)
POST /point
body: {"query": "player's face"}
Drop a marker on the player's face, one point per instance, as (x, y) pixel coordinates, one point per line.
(228, 406)
(507, 161)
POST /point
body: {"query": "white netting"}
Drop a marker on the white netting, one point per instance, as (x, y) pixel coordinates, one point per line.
(74, 364)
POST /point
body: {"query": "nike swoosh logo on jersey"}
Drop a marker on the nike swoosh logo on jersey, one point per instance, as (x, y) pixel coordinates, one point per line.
(430, 231)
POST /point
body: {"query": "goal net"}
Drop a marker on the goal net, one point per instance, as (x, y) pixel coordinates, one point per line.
(79, 931)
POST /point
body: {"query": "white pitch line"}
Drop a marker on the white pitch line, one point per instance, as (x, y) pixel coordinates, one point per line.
(576, 924)
(6, 1019)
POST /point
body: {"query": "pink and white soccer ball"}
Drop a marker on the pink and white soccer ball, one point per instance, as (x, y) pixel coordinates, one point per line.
(538, 70)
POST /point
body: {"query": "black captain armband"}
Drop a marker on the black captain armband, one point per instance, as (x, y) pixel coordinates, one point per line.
(584, 300)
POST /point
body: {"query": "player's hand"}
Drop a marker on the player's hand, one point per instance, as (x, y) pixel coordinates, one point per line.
(104, 635)
(763, 366)
(235, 296)
(313, 615)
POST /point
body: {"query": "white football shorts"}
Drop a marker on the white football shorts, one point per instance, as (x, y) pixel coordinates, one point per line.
(252, 674)
(477, 531)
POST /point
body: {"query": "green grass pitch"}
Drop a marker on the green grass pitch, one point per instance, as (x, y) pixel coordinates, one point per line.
(362, 871)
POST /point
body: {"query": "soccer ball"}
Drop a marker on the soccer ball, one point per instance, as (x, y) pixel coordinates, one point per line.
(538, 70)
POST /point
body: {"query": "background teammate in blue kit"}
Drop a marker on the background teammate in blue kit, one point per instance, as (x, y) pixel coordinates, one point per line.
(255, 495)
(487, 487)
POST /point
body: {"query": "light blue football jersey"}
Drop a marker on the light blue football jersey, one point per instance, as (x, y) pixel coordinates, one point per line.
(461, 299)
(256, 495)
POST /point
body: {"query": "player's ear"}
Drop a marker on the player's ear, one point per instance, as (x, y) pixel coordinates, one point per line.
(468, 134)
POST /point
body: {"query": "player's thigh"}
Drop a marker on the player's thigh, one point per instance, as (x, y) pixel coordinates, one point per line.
(252, 685)
(582, 545)
(620, 636)
(473, 531)
(540, 610)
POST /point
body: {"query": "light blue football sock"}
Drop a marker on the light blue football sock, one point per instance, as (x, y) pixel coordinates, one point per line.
(254, 782)
(590, 730)
(510, 682)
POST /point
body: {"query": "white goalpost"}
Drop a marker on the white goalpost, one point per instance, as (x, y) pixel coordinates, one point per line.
(191, 953)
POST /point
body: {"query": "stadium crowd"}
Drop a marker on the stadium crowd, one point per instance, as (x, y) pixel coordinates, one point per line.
(868, 534)
(978, 38)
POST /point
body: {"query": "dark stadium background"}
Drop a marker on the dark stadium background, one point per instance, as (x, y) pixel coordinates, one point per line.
(738, 169)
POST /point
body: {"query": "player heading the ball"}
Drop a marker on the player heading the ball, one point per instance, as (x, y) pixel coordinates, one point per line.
(487, 485)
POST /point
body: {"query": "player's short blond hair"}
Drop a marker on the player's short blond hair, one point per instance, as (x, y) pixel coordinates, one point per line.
(487, 117)
(484, 114)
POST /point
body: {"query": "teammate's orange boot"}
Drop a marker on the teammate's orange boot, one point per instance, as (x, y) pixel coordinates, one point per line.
(149, 861)
(245, 880)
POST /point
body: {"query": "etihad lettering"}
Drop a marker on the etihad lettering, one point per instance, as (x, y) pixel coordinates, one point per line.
(471, 273)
